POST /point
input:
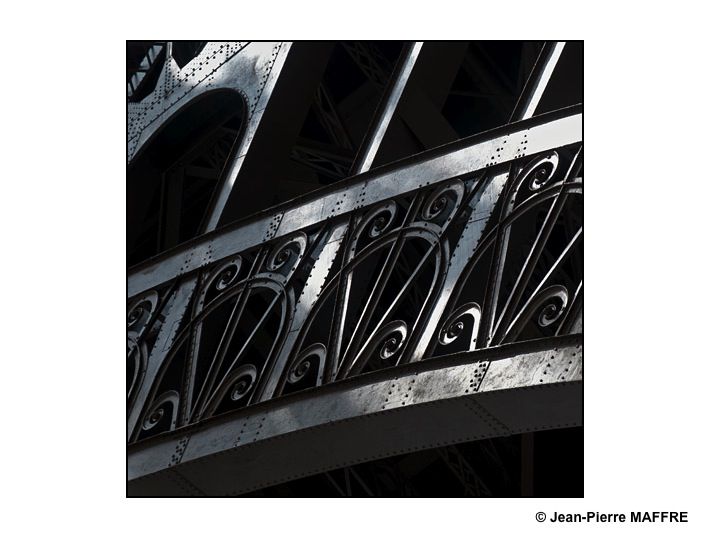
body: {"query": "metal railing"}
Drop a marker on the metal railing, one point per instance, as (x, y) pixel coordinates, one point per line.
(471, 245)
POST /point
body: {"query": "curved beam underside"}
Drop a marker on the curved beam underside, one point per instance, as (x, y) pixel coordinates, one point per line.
(522, 387)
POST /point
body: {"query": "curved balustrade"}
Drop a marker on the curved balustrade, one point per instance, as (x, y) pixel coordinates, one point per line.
(471, 246)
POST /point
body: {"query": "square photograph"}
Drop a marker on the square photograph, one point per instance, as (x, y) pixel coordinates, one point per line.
(354, 269)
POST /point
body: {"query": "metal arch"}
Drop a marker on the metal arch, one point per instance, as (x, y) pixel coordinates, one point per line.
(427, 217)
(343, 362)
(478, 239)
(173, 315)
(271, 270)
(177, 87)
(250, 68)
(309, 296)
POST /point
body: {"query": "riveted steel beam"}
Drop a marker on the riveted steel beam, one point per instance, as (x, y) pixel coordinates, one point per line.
(251, 69)
(489, 194)
(172, 315)
(538, 80)
(517, 388)
(387, 109)
(248, 68)
(262, 163)
(462, 158)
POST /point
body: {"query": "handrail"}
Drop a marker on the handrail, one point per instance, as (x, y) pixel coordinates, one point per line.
(457, 159)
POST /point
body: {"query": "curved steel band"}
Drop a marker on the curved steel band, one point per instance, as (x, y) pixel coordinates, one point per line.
(466, 157)
(526, 386)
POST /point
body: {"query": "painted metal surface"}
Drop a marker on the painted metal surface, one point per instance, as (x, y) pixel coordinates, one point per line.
(249, 68)
(538, 80)
(468, 156)
(417, 289)
(526, 387)
(333, 320)
(387, 110)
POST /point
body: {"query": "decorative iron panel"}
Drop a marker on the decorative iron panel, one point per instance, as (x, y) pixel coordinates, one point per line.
(391, 275)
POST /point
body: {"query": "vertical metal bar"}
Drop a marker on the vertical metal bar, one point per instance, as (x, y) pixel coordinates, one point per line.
(475, 228)
(177, 304)
(355, 343)
(330, 479)
(386, 109)
(227, 181)
(310, 294)
(482, 203)
(497, 267)
(572, 320)
(337, 327)
(360, 481)
(556, 207)
(537, 82)
(329, 118)
(511, 333)
(224, 343)
(525, 108)
(213, 388)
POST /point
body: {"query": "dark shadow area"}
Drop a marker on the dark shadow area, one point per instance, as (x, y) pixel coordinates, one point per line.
(488, 84)
(565, 87)
(143, 65)
(343, 104)
(541, 464)
(457, 89)
(320, 110)
(184, 51)
(171, 181)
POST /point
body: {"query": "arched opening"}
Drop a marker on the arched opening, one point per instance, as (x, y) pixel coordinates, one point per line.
(171, 180)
